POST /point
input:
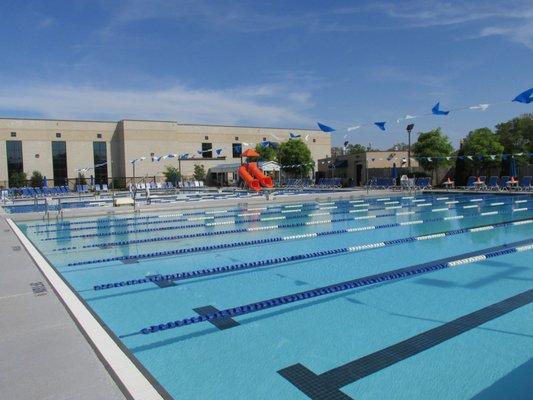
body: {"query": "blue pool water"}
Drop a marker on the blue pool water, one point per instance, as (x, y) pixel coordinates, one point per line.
(201, 361)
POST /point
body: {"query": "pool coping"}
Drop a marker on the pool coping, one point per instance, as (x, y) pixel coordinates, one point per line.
(132, 378)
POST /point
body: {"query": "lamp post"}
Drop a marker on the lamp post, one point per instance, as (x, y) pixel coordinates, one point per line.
(409, 129)
(133, 162)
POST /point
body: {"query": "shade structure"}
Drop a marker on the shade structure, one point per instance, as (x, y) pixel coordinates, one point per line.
(250, 153)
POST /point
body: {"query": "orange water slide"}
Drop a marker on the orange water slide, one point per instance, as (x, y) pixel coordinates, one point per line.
(264, 180)
(252, 183)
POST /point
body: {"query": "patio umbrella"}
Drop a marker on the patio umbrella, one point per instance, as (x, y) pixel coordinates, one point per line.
(45, 181)
(513, 170)
(249, 153)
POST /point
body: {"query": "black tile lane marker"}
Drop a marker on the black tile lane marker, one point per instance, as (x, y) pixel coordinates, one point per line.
(400, 273)
(220, 323)
(326, 386)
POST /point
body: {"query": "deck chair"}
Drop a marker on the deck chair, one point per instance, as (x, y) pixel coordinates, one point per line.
(493, 183)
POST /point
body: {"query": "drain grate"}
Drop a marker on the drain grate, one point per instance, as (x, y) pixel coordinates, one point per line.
(38, 288)
(15, 248)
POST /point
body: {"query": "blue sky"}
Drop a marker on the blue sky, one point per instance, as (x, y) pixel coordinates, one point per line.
(268, 63)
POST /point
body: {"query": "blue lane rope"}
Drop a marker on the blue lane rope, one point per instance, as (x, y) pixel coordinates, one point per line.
(281, 260)
(142, 220)
(239, 214)
(236, 222)
(362, 199)
(243, 243)
(347, 285)
(241, 230)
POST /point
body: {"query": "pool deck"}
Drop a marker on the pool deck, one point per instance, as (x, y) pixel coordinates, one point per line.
(44, 354)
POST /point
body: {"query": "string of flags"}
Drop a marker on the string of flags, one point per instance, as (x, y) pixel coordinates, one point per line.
(526, 97)
(479, 157)
(86, 169)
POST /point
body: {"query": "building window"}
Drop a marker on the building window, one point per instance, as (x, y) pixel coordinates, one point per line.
(206, 137)
(236, 138)
(99, 136)
(37, 156)
(14, 157)
(100, 157)
(314, 140)
(236, 149)
(13, 134)
(264, 139)
(58, 134)
(59, 162)
(207, 150)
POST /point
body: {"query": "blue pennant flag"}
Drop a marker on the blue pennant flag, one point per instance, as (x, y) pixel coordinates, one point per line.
(525, 97)
(218, 151)
(200, 152)
(264, 143)
(346, 143)
(325, 128)
(380, 125)
(504, 157)
(436, 110)
(293, 135)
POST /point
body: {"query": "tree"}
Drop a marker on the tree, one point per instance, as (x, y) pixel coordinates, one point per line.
(18, 179)
(399, 147)
(433, 144)
(199, 172)
(172, 174)
(295, 152)
(266, 153)
(36, 179)
(516, 136)
(355, 148)
(481, 142)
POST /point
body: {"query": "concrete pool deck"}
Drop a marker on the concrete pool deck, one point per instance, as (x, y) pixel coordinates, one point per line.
(44, 354)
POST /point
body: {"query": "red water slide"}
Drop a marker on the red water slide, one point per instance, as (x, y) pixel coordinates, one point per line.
(264, 180)
(252, 183)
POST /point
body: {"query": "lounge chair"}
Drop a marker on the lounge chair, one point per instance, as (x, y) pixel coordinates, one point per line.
(104, 187)
(503, 182)
(470, 182)
(493, 183)
(525, 183)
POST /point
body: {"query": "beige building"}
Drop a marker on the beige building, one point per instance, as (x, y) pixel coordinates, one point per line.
(58, 149)
(354, 167)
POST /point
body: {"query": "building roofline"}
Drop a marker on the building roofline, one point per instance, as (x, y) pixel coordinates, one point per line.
(58, 120)
(154, 120)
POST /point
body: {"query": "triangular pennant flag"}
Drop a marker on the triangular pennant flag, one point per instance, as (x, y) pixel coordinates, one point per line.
(353, 128)
(482, 107)
(470, 157)
(306, 138)
(492, 157)
(380, 125)
(525, 97)
(325, 128)
(293, 135)
(436, 110)
(429, 159)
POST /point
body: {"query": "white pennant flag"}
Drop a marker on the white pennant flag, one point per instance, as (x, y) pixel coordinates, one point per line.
(481, 107)
(353, 128)
(448, 158)
(470, 157)
(306, 138)
(429, 159)
(492, 157)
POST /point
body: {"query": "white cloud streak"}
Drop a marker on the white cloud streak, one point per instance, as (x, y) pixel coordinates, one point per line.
(258, 105)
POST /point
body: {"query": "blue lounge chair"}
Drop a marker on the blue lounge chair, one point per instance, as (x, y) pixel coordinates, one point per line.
(492, 184)
(525, 183)
(503, 182)
(470, 182)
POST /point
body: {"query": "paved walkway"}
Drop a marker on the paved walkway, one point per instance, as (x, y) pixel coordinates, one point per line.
(43, 354)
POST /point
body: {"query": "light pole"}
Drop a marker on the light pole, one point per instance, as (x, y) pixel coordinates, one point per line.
(409, 129)
(133, 162)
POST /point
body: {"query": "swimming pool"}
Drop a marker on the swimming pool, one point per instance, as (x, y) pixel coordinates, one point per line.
(395, 297)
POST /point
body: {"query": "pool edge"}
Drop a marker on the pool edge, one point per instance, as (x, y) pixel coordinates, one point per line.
(128, 373)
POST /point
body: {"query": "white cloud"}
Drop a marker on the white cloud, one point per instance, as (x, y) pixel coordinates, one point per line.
(258, 105)
(521, 33)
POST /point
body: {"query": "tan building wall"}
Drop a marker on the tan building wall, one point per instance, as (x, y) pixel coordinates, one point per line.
(130, 139)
